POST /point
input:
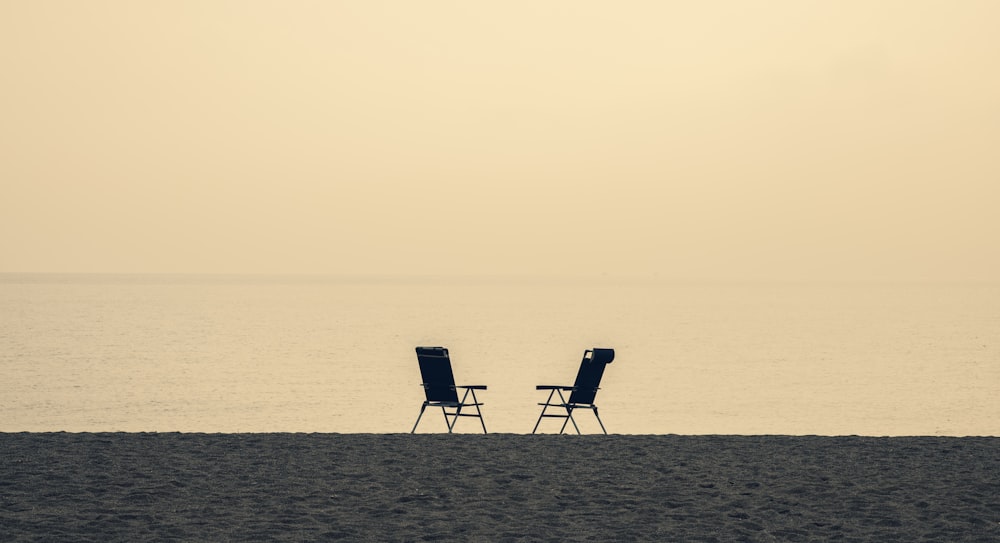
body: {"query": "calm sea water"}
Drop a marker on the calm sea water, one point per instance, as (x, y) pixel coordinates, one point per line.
(324, 354)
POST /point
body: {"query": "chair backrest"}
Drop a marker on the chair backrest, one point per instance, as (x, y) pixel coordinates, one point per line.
(435, 370)
(588, 379)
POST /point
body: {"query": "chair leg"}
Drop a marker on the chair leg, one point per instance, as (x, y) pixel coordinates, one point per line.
(565, 421)
(539, 421)
(569, 417)
(422, 407)
(481, 421)
(544, 407)
(454, 417)
(475, 401)
(599, 421)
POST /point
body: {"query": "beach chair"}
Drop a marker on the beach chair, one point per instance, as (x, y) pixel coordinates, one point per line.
(441, 391)
(583, 391)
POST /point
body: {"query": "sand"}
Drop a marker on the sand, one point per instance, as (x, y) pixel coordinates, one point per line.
(500, 487)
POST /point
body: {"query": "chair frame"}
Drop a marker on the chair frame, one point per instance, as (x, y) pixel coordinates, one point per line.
(451, 417)
(556, 389)
(457, 406)
(570, 405)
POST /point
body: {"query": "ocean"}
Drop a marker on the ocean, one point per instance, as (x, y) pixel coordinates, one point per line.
(245, 353)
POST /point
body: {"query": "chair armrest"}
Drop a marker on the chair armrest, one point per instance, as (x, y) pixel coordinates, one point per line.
(553, 387)
(473, 387)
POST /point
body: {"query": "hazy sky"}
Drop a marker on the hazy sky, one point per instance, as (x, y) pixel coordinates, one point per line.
(693, 140)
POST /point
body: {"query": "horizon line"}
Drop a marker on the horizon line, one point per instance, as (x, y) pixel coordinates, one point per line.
(489, 277)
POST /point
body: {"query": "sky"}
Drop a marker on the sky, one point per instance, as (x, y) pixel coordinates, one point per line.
(715, 140)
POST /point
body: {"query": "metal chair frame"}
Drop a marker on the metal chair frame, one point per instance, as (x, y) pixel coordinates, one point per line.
(582, 393)
(457, 406)
(566, 405)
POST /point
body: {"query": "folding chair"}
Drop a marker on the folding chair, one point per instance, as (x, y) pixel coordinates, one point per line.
(439, 386)
(582, 392)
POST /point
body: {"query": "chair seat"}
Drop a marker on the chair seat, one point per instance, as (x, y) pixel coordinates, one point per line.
(450, 404)
(572, 405)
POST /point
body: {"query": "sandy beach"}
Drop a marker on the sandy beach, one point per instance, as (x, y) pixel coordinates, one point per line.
(500, 487)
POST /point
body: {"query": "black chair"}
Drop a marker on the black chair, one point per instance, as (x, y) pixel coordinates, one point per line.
(583, 391)
(440, 389)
